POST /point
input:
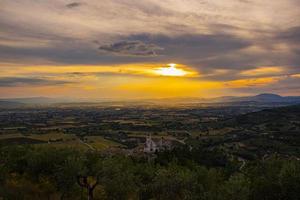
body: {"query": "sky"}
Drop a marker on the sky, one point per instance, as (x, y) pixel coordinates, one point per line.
(135, 49)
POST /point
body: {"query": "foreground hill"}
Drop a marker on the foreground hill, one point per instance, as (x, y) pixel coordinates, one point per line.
(257, 134)
(282, 118)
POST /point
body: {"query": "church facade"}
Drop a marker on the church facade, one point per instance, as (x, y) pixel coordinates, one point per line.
(152, 145)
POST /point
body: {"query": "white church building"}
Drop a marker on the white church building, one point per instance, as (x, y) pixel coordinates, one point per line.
(152, 146)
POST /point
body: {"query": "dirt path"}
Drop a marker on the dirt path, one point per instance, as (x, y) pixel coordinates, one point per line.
(86, 144)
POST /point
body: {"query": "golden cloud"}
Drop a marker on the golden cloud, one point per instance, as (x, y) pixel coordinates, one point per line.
(263, 71)
(253, 82)
(295, 75)
(128, 69)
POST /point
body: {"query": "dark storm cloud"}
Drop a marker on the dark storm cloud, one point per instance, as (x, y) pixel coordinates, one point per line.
(204, 52)
(285, 87)
(195, 45)
(82, 53)
(20, 81)
(239, 61)
(188, 49)
(291, 35)
(199, 51)
(134, 48)
(73, 5)
(228, 51)
(270, 53)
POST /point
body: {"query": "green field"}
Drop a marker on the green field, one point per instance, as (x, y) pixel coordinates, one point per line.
(99, 143)
(59, 140)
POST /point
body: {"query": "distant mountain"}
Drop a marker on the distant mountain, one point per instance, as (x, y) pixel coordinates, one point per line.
(35, 100)
(267, 98)
(10, 104)
(262, 98)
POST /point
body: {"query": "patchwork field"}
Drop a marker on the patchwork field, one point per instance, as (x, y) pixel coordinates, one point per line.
(59, 140)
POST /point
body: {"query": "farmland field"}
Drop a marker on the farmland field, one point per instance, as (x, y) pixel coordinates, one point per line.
(58, 140)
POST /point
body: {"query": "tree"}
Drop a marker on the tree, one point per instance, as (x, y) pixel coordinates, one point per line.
(172, 183)
(89, 184)
(65, 175)
(289, 178)
(236, 188)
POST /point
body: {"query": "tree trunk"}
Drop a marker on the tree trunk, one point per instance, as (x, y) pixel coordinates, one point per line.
(62, 196)
(90, 193)
(83, 183)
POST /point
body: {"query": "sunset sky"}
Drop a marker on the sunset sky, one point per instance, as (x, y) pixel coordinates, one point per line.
(134, 49)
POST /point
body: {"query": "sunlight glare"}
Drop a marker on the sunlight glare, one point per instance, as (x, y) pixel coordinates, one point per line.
(171, 70)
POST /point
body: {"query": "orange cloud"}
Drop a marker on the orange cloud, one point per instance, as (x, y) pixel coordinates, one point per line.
(263, 71)
(295, 75)
(127, 69)
(254, 82)
(131, 81)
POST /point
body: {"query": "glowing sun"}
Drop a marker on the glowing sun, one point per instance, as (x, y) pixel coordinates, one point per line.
(171, 70)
